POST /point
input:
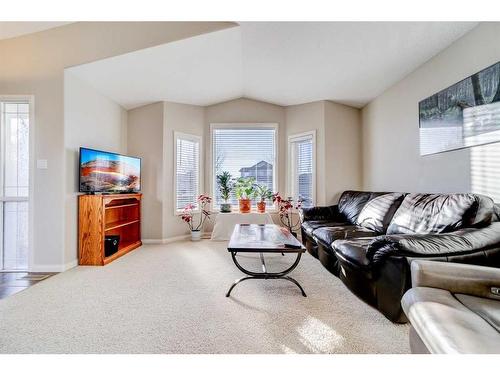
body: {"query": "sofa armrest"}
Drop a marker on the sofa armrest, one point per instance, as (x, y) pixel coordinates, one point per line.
(457, 278)
(330, 213)
(466, 240)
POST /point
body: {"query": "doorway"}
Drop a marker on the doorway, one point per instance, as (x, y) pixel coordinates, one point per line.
(15, 115)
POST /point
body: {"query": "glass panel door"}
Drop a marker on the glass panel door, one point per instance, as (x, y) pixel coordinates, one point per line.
(14, 184)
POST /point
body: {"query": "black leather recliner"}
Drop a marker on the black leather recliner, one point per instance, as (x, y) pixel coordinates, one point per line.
(369, 239)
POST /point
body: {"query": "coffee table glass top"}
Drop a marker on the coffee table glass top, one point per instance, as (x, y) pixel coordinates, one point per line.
(263, 238)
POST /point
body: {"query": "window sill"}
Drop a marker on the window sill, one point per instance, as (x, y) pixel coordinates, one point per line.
(251, 212)
(180, 213)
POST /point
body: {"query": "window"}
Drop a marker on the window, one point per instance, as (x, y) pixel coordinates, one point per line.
(301, 156)
(244, 150)
(187, 169)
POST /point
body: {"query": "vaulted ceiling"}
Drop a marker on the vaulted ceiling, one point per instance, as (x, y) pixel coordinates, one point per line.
(284, 63)
(14, 29)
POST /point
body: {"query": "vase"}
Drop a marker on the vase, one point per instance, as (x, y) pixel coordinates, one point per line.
(261, 207)
(195, 235)
(225, 207)
(245, 205)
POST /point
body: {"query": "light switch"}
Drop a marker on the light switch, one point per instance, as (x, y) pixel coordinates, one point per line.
(41, 164)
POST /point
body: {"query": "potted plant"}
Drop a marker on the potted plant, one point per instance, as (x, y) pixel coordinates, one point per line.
(287, 211)
(225, 184)
(188, 216)
(263, 193)
(245, 189)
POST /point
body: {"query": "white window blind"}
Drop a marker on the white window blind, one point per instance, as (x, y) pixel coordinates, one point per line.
(244, 151)
(187, 169)
(301, 163)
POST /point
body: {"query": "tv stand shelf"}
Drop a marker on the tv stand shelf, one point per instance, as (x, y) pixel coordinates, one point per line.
(118, 224)
(103, 215)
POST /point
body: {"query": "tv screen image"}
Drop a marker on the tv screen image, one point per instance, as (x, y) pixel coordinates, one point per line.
(107, 172)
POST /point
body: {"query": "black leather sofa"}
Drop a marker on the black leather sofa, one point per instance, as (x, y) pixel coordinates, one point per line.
(369, 239)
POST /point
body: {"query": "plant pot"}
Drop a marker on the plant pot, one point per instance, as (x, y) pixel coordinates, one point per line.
(225, 207)
(245, 206)
(261, 207)
(195, 235)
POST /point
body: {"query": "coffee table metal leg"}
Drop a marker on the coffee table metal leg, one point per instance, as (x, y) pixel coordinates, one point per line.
(266, 275)
(263, 263)
(236, 283)
(295, 282)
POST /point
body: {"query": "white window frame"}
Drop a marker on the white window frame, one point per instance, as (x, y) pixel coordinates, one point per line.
(192, 138)
(30, 99)
(243, 126)
(297, 138)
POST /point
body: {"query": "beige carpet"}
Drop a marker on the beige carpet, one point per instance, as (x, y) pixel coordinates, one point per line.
(171, 299)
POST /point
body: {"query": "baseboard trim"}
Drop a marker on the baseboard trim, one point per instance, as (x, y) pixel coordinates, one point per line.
(163, 241)
(53, 267)
(74, 263)
(71, 264)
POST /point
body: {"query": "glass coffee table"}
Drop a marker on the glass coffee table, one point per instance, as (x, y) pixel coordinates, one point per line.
(266, 238)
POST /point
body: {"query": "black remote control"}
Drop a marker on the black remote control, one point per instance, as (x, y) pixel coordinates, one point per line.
(292, 246)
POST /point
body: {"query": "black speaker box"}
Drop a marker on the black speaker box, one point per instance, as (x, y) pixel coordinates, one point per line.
(111, 245)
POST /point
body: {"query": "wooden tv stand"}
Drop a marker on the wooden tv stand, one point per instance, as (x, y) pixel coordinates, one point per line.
(103, 215)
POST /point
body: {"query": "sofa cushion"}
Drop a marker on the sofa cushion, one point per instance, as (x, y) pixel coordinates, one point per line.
(482, 212)
(329, 234)
(353, 251)
(432, 213)
(310, 226)
(351, 203)
(327, 213)
(488, 309)
(446, 325)
(378, 212)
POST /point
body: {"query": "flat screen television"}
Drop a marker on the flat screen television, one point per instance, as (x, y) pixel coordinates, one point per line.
(107, 172)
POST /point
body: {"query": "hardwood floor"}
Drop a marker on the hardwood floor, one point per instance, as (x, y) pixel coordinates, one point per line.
(14, 282)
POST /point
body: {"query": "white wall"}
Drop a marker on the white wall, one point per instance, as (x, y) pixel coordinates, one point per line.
(145, 140)
(186, 119)
(391, 159)
(306, 117)
(90, 120)
(151, 137)
(34, 65)
(342, 150)
(338, 153)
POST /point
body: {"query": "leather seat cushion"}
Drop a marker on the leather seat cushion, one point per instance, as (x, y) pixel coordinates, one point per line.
(352, 202)
(353, 251)
(329, 234)
(432, 213)
(488, 309)
(310, 226)
(446, 325)
(378, 212)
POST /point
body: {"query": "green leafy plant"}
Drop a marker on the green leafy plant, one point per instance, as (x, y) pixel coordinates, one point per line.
(225, 184)
(263, 193)
(244, 187)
